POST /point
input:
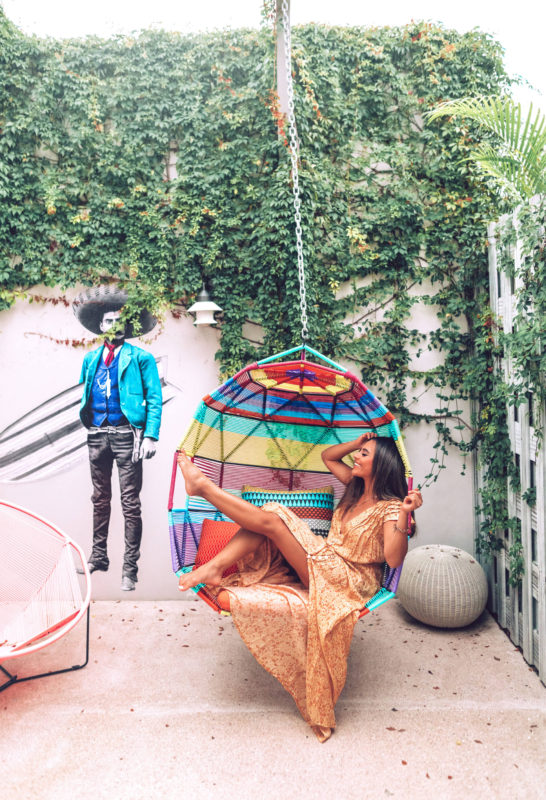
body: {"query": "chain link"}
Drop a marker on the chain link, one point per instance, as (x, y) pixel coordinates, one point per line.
(293, 148)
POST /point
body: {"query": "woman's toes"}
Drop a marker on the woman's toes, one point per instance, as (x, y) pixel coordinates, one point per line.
(194, 479)
(206, 574)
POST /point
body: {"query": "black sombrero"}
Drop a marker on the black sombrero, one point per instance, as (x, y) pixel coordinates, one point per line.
(91, 305)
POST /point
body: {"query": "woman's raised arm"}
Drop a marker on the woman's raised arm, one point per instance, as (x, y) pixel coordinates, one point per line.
(395, 534)
(332, 456)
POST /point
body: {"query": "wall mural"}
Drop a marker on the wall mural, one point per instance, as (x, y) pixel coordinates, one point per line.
(51, 438)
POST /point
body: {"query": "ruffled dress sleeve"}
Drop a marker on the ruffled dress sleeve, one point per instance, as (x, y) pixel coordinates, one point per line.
(391, 510)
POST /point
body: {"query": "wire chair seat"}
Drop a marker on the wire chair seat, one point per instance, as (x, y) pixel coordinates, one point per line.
(41, 597)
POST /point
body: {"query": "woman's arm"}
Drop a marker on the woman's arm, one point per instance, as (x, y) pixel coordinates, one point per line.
(332, 457)
(395, 534)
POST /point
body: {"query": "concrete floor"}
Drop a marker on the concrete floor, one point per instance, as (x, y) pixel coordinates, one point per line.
(172, 705)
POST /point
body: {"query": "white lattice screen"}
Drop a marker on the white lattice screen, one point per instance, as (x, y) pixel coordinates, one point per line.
(520, 609)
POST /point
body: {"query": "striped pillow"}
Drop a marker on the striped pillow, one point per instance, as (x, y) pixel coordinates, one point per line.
(314, 506)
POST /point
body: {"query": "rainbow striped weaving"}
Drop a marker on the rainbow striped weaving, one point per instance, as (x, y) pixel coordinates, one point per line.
(267, 427)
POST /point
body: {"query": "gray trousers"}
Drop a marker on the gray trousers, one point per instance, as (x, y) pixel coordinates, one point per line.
(107, 445)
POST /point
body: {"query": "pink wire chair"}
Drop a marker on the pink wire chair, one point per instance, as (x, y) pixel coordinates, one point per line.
(42, 597)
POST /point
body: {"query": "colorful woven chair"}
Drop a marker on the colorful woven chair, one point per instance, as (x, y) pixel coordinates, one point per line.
(41, 596)
(261, 434)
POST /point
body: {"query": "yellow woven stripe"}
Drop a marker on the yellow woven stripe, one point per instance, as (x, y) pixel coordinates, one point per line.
(190, 438)
(404, 456)
(205, 441)
(341, 384)
(260, 376)
(202, 440)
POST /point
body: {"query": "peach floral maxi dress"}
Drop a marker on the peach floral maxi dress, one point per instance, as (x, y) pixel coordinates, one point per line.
(302, 637)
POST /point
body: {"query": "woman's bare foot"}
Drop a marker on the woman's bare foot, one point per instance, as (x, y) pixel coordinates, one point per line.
(208, 573)
(194, 479)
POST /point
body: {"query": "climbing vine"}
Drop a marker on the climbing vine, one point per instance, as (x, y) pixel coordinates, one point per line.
(516, 382)
(160, 161)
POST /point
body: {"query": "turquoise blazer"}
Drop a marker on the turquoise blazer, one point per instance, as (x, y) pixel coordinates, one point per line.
(139, 388)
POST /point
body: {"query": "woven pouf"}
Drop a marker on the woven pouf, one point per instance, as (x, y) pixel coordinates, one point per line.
(442, 586)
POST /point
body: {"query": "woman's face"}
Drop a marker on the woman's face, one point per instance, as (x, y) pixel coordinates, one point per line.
(363, 459)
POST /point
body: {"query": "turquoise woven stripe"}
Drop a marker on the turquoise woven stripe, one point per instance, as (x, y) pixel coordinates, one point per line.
(199, 515)
(298, 350)
(201, 413)
(281, 355)
(292, 499)
(379, 598)
(199, 504)
(309, 434)
(395, 430)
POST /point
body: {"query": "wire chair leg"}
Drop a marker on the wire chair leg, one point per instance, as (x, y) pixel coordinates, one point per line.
(14, 679)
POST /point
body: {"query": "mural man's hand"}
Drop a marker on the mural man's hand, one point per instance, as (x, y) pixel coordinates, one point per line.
(148, 448)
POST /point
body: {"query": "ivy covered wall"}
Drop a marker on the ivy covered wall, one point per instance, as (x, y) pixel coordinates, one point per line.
(161, 161)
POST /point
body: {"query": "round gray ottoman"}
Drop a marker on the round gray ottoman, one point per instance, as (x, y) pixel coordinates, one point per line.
(442, 586)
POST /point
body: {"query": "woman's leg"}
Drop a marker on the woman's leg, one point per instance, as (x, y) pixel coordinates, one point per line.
(241, 545)
(249, 517)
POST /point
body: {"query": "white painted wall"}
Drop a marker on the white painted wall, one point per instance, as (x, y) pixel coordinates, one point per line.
(35, 368)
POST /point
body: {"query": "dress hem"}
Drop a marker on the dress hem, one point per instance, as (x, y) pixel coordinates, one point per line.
(322, 732)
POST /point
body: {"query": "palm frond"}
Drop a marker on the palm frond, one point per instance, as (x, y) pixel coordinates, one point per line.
(520, 160)
(508, 170)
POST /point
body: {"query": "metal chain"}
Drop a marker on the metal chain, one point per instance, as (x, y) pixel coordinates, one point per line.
(293, 148)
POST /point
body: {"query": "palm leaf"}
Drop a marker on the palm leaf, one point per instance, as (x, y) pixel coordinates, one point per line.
(508, 170)
(520, 159)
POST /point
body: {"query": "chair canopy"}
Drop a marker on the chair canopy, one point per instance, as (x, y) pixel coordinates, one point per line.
(41, 598)
(267, 427)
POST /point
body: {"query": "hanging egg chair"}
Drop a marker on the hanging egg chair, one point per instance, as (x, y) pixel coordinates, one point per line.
(260, 435)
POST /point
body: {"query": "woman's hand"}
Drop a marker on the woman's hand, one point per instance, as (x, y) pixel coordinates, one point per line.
(364, 438)
(412, 501)
(333, 456)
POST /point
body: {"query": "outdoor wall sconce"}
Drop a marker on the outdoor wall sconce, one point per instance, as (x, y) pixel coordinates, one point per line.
(204, 309)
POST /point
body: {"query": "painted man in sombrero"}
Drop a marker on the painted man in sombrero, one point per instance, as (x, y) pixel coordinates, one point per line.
(121, 408)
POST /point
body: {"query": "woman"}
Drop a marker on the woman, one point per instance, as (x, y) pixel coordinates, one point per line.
(305, 645)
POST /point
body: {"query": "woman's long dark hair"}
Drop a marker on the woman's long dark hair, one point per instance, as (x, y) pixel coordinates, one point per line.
(388, 475)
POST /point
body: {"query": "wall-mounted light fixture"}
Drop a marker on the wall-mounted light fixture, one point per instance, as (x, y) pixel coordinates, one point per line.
(204, 309)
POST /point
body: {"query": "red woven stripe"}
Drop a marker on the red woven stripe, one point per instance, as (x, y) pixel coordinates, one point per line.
(311, 512)
(235, 476)
(281, 418)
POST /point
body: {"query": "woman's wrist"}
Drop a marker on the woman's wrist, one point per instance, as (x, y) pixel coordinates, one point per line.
(401, 523)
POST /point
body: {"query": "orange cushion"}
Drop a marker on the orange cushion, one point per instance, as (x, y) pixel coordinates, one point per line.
(215, 534)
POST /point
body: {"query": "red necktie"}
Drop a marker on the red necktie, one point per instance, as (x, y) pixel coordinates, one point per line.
(110, 356)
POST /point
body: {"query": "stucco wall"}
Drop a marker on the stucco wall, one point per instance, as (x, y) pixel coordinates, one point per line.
(35, 368)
